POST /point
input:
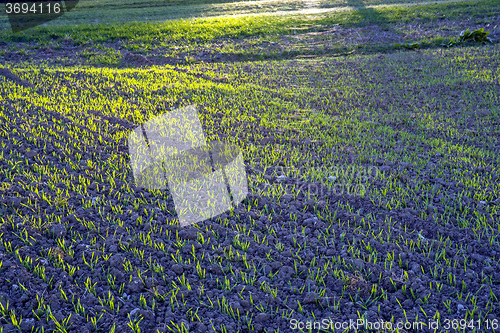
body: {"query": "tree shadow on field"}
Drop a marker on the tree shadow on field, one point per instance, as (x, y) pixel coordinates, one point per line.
(367, 14)
(370, 16)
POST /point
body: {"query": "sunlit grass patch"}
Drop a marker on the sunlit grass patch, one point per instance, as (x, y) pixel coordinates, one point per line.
(418, 131)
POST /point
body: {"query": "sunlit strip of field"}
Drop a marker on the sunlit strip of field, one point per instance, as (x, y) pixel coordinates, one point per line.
(96, 12)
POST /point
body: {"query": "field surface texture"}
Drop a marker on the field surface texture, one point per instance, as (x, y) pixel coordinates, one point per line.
(372, 154)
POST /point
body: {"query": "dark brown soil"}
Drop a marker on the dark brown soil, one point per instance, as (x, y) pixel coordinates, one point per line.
(139, 250)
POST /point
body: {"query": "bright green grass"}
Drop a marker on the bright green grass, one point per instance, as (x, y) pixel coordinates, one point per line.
(407, 107)
(436, 110)
(125, 11)
(204, 29)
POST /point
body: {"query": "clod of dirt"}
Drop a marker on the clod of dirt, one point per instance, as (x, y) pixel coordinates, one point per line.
(129, 58)
(58, 230)
(310, 297)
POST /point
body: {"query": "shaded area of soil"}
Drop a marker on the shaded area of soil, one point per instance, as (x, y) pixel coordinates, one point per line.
(116, 253)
